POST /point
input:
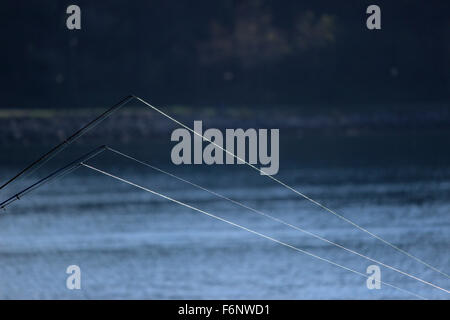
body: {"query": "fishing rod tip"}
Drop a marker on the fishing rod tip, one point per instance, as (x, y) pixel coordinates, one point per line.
(137, 98)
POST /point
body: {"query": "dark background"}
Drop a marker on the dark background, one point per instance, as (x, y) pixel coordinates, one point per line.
(364, 119)
(222, 53)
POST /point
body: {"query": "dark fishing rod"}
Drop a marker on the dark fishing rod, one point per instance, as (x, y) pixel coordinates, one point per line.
(56, 174)
(53, 152)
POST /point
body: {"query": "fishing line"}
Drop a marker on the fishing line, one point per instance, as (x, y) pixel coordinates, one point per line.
(53, 152)
(243, 228)
(297, 192)
(60, 173)
(274, 218)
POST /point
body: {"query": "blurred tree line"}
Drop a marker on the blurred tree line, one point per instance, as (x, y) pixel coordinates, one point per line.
(198, 52)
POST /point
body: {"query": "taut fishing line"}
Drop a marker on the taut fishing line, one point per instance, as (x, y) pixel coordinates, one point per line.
(90, 155)
(275, 219)
(76, 164)
(297, 192)
(243, 228)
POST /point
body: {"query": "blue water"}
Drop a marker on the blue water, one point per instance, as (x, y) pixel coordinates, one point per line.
(130, 244)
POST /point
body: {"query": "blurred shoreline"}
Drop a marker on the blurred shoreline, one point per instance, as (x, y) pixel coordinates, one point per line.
(30, 126)
(380, 134)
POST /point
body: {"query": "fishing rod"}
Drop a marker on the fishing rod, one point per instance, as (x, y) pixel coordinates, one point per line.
(55, 175)
(60, 147)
